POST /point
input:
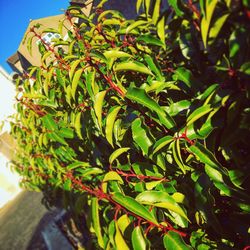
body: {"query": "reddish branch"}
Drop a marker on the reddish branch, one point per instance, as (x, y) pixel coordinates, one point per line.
(142, 178)
(99, 193)
(34, 107)
(185, 137)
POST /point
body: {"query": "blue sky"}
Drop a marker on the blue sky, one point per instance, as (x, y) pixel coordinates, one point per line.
(14, 19)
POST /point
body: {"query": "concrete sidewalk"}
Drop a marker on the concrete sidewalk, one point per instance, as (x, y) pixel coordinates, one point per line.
(19, 220)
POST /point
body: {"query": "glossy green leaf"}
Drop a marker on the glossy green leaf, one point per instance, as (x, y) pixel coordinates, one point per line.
(133, 206)
(206, 20)
(75, 82)
(140, 136)
(73, 67)
(119, 240)
(112, 176)
(156, 12)
(57, 138)
(138, 5)
(139, 95)
(161, 30)
(89, 171)
(135, 25)
(149, 39)
(77, 164)
(205, 156)
(78, 125)
(162, 143)
(98, 105)
(154, 67)
(132, 66)
(175, 4)
(186, 76)
(173, 241)
(111, 117)
(116, 154)
(115, 54)
(49, 122)
(67, 185)
(98, 55)
(161, 199)
(177, 156)
(217, 26)
(138, 239)
(198, 113)
(96, 221)
(66, 133)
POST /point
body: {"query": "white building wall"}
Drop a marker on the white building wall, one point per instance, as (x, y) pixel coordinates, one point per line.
(9, 186)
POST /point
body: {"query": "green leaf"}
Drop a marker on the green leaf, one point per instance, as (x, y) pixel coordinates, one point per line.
(96, 221)
(140, 136)
(150, 39)
(138, 240)
(67, 185)
(77, 164)
(111, 117)
(205, 22)
(66, 133)
(161, 30)
(175, 4)
(49, 123)
(161, 199)
(135, 24)
(68, 95)
(133, 206)
(139, 95)
(186, 76)
(47, 81)
(75, 82)
(123, 223)
(112, 176)
(98, 55)
(57, 138)
(73, 67)
(78, 125)
(217, 26)
(60, 78)
(44, 57)
(89, 171)
(198, 113)
(99, 98)
(138, 5)
(132, 66)
(178, 197)
(154, 67)
(162, 143)
(177, 156)
(156, 12)
(119, 240)
(245, 68)
(115, 54)
(116, 154)
(173, 241)
(205, 156)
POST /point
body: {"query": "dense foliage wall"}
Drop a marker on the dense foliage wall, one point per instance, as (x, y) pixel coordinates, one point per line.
(142, 126)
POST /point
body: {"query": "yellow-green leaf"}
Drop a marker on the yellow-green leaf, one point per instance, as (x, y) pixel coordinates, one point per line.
(99, 98)
(75, 82)
(110, 124)
(78, 125)
(119, 240)
(112, 176)
(132, 66)
(116, 154)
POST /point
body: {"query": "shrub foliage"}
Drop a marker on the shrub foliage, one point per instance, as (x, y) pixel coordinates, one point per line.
(142, 126)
